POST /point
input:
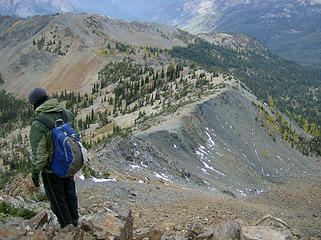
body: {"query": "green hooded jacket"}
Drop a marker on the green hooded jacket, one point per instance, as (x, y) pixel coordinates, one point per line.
(41, 136)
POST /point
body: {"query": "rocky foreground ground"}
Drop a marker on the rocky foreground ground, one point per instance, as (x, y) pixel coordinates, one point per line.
(127, 209)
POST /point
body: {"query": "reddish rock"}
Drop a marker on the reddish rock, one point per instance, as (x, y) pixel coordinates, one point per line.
(13, 228)
(21, 186)
(38, 235)
(114, 225)
(7, 234)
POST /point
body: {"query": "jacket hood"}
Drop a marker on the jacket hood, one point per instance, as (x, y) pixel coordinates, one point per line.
(51, 105)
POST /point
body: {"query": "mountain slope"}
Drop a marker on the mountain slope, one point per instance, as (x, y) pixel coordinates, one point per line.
(69, 52)
(46, 49)
(221, 143)
(267, 75)
(216, 147)
(169, 131)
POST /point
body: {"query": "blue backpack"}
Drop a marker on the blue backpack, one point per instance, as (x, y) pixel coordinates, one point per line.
(69, 155)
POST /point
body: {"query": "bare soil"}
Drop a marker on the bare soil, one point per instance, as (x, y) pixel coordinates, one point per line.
(297, 203)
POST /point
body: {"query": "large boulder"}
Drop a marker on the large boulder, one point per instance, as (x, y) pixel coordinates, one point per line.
(227, 229)
(264, 233)
(112, 225)
(267, 228)
(39, 220)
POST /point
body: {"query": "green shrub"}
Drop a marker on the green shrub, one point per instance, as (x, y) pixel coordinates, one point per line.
(90, 172)
(7, 210)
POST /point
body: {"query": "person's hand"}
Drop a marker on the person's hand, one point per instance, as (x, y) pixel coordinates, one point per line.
(35, 178)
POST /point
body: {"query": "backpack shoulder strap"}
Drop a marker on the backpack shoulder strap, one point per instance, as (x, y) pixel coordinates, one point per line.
(64, 115)
(45, 121)
(48, 123)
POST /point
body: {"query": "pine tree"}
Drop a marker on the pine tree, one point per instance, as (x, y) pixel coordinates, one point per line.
(1, 80)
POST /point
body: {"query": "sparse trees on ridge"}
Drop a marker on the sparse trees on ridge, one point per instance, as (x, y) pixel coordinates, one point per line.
(295, 89)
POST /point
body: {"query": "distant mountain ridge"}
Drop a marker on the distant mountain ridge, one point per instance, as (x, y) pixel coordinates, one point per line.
(125, 9)
(29, 8)
(290, 28)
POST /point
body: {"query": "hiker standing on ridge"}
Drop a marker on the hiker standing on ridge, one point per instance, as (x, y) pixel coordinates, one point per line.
(61, 192)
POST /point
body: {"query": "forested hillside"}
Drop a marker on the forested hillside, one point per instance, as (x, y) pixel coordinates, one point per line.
(294, 88)
(15, 113)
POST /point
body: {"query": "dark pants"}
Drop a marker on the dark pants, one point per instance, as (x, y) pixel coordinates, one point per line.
(61, 193)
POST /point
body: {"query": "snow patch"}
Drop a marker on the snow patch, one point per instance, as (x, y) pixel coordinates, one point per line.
(162, 176)
(306, 173)
(205, 171)
(100, 180)
(206, 7)
(200, 154)
(280, 158)
(213, 169)
(210, 141)
(145, 166)
(133, 166)
(221, 155)
(260, 191)
(201, 151)
(241, 192)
